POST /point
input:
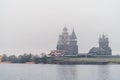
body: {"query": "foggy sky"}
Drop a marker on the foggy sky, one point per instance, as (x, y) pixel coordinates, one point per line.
(34, 25)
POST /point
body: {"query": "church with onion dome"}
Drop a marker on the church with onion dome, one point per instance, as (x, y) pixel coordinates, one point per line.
(67, 43)
(103, 48)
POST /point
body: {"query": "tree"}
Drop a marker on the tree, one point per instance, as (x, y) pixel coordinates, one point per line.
(4, 58)
(44, 59)
(13, 59)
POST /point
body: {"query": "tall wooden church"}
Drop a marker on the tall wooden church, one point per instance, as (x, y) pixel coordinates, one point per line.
(68, 43)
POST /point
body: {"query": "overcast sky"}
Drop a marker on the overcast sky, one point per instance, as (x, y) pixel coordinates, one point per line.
(34, 25)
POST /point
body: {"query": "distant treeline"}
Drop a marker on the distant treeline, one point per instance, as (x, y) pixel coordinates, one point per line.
(79, 59)
(24, 58)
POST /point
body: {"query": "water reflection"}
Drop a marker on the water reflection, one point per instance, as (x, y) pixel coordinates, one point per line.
(66, 72)
(103, 72)
(59, 72)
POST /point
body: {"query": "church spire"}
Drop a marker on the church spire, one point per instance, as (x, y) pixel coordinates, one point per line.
(73, 35)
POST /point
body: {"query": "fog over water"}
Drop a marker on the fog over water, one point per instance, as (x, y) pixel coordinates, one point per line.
(34, 25)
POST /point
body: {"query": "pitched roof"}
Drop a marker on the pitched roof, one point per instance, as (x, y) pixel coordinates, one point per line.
(73, 35)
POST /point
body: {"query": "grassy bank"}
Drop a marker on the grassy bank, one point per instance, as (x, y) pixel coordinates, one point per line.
(72, 60)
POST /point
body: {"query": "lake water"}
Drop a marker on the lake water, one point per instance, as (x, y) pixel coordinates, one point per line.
(59, 72)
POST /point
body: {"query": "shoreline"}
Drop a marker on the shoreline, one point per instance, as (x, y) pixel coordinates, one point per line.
(72, 60)
(83, 60)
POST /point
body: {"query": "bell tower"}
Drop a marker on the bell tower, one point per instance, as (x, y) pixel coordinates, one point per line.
(73, 47)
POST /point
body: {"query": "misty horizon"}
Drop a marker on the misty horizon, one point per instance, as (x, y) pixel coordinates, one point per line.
(28, 26)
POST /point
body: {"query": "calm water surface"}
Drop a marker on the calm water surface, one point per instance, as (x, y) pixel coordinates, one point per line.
(59, 72)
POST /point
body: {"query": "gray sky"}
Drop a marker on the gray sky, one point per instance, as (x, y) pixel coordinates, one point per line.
(34, 25)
